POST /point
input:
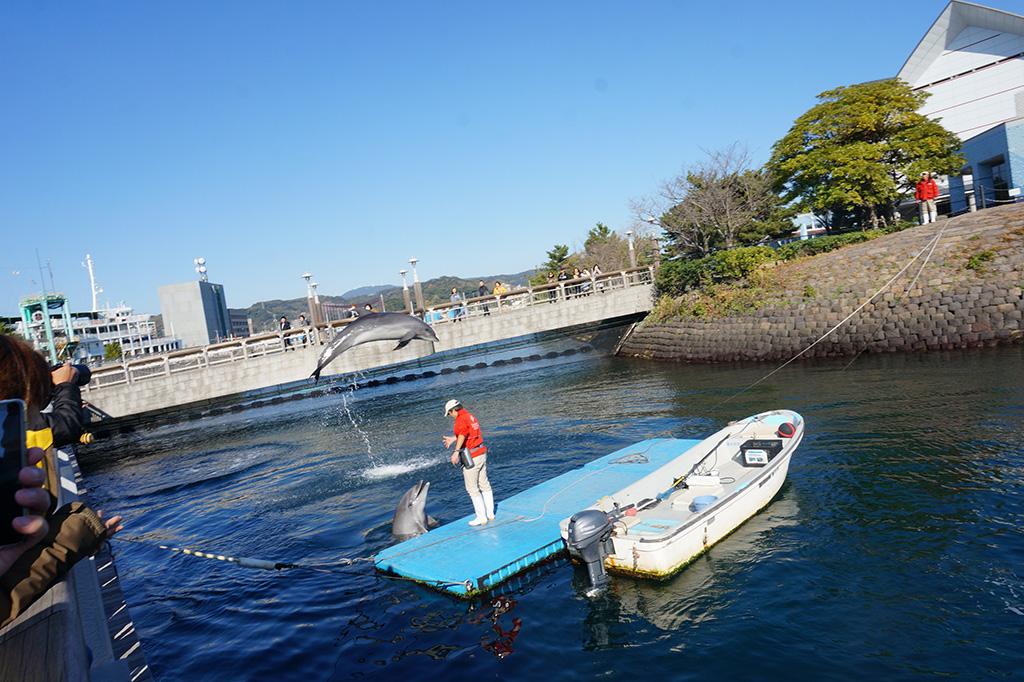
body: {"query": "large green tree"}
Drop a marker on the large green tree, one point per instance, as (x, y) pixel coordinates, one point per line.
(861, 147)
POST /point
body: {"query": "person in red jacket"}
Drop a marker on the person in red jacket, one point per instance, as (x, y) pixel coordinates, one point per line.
(926, 193)
(468, 436)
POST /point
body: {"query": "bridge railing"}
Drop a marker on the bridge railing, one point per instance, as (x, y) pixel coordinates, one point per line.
(272, 343)
(556, 292)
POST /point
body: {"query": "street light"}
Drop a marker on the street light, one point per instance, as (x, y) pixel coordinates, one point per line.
(418, 288)
(632, 251)
(312, 299)
(200, 264)
(405, 291)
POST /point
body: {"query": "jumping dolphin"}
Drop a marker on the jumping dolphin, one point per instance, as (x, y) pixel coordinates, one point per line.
(374, 327)
(411, 515)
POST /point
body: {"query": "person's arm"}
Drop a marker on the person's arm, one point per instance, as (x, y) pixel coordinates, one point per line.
(75, 532)
(460, 440)
(65, 418)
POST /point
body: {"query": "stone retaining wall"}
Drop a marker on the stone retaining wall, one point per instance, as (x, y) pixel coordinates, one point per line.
(950, 306)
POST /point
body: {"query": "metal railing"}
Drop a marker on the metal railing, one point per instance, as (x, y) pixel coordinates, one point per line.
(273, 343)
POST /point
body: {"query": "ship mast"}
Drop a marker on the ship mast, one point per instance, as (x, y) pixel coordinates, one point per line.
(96, 290)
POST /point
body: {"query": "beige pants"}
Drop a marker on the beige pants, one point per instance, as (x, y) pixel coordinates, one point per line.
(476, 478)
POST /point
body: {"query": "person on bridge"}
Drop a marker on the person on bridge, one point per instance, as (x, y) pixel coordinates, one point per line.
(468, 436)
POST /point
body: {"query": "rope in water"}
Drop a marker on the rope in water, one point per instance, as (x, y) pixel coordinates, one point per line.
(267, 565)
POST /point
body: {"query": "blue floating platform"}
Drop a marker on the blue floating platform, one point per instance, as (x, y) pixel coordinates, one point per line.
(465, 560)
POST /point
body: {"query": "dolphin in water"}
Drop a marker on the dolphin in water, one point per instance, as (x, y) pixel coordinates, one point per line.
(374, 327)
(411, 514)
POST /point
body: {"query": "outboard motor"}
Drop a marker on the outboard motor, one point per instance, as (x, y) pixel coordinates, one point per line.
(589, 533)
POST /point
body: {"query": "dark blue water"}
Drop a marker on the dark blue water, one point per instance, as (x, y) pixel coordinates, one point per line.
(894, 549)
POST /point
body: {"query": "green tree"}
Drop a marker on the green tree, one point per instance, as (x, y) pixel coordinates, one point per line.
(861, 147)
(599, 234)
(6, 328)
(558, 258)
(112, 351)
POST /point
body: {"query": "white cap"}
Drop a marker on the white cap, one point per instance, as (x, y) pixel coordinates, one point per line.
(451, 405)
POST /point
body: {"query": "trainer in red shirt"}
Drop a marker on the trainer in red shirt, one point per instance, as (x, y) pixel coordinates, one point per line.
(468, 436)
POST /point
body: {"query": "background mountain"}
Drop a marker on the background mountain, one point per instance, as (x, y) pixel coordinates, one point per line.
(264, 314)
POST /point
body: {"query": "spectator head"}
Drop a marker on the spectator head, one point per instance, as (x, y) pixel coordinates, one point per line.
(924, 176)
(482, 283)
(454, 291)
(368, 307)
(24, 373)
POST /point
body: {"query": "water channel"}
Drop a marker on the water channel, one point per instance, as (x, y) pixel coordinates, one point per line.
(894, 549)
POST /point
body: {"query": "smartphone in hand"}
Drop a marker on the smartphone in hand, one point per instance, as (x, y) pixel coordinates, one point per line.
(15, 456)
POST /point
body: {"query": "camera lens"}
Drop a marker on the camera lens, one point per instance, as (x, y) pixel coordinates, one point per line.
(84, 374)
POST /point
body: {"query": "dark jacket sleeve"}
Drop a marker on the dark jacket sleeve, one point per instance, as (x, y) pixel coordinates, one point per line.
(65, 419)
(75, 532)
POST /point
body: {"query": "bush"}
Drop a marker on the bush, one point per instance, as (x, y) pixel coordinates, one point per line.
(812, 247)
(728, 266)
(678, 276)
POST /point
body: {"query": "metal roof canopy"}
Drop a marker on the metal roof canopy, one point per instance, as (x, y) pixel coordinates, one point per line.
(956, 17)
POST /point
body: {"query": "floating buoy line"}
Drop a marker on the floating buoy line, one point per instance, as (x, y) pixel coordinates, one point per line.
(341, 564)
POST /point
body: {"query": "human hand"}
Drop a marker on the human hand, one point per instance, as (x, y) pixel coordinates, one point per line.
(64, 374)
(31, 496)
(455, 459)
(113, 524)
(448, 440)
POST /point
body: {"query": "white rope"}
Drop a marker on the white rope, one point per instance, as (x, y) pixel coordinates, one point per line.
(927, 258)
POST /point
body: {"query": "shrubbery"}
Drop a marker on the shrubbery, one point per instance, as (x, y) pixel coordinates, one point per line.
(812, 247)
(677, 276)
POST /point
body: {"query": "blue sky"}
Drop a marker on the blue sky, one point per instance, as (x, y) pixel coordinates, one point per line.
(342, 138)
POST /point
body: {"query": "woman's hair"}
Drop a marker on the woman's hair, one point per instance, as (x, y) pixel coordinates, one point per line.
(24, 373)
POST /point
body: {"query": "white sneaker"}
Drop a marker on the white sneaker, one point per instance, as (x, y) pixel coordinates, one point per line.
(478, 522)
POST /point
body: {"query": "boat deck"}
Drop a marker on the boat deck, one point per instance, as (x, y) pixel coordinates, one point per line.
(465, 560)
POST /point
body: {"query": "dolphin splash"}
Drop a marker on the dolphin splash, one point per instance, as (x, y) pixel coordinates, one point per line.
(411, 514)
(374, 327)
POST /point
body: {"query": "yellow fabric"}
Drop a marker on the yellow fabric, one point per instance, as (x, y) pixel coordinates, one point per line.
(43, 438)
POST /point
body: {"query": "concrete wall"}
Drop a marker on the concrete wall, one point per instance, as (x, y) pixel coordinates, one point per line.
(950, 305)
(163, 391)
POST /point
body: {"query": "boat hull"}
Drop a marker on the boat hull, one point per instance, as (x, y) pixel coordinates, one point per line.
(664, 521)
(661, 559)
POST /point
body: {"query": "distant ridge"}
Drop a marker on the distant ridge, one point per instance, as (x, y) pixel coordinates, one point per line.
(265, 314)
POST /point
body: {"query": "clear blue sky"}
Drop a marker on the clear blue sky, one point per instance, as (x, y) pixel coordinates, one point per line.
(342, 138)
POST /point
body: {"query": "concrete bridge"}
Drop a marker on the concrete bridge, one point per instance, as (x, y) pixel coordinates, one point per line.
(278, 363)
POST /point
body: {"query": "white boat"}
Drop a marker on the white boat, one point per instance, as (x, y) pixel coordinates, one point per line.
(659, 524)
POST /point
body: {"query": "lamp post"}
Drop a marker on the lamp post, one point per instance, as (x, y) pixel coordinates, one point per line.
(405, 292)
(318, 313)
(418, 289)
(312, 299)
(632, 250)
